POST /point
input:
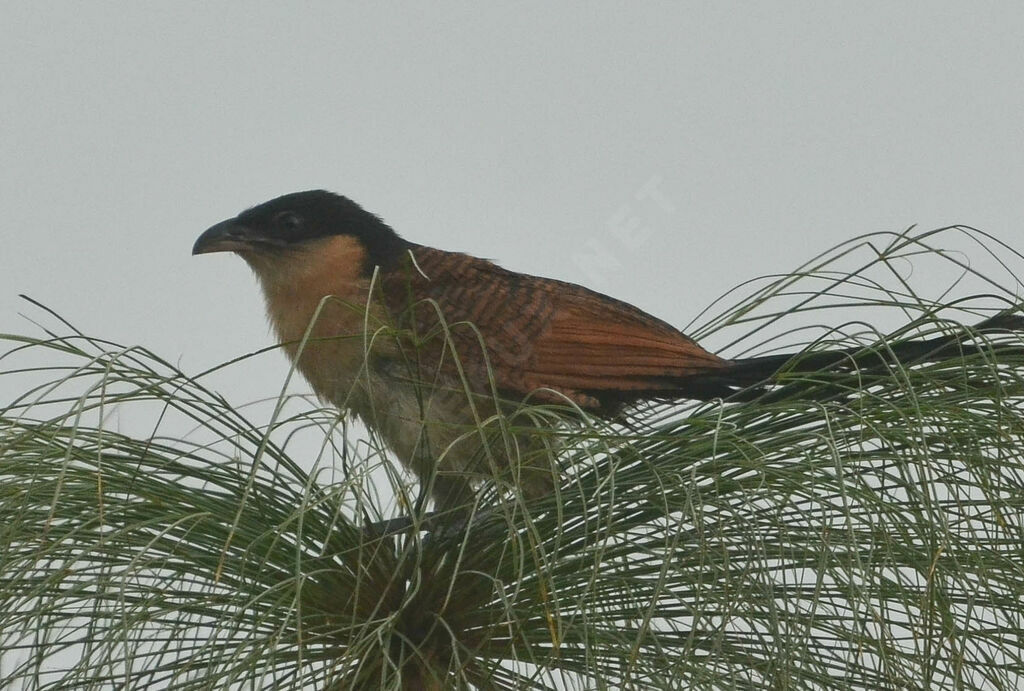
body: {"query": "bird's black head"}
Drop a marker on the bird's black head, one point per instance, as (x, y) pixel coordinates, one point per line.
(293, 221)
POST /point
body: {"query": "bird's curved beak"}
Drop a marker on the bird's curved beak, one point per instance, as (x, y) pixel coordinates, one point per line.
(226, 236)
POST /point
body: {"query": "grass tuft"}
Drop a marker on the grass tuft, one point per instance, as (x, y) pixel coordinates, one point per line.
(155, 536)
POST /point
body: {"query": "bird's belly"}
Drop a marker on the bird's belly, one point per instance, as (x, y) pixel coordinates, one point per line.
(440, 431)
(427, 427)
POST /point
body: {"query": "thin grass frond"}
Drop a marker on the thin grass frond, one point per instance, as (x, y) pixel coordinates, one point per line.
(854, 528)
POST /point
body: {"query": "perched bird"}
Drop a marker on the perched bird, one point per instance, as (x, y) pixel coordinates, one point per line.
(424, 345)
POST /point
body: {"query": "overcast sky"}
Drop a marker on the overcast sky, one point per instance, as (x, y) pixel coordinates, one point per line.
(742, 138)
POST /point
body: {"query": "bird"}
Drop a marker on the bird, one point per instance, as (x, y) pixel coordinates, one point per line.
(429, 347)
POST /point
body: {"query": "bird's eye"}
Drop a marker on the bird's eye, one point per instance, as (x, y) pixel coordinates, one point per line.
(288, 221)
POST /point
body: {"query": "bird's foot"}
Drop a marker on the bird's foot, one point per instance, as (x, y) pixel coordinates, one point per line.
(395, 526)
(437, 525)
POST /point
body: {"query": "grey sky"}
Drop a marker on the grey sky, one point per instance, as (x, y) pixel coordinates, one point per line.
(525, 133)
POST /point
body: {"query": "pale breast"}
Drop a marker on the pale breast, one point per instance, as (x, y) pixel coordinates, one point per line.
(318, 305)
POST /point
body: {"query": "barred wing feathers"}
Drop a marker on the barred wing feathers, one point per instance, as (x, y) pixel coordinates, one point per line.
(542, 333)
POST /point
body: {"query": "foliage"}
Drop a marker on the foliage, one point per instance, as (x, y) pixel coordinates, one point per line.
(855, 528)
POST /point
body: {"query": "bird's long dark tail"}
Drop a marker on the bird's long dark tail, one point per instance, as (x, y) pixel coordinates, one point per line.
(743, 379)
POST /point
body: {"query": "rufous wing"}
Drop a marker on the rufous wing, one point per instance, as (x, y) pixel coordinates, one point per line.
(539, 333)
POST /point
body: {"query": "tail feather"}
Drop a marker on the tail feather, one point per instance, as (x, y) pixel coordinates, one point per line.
(735, 380)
